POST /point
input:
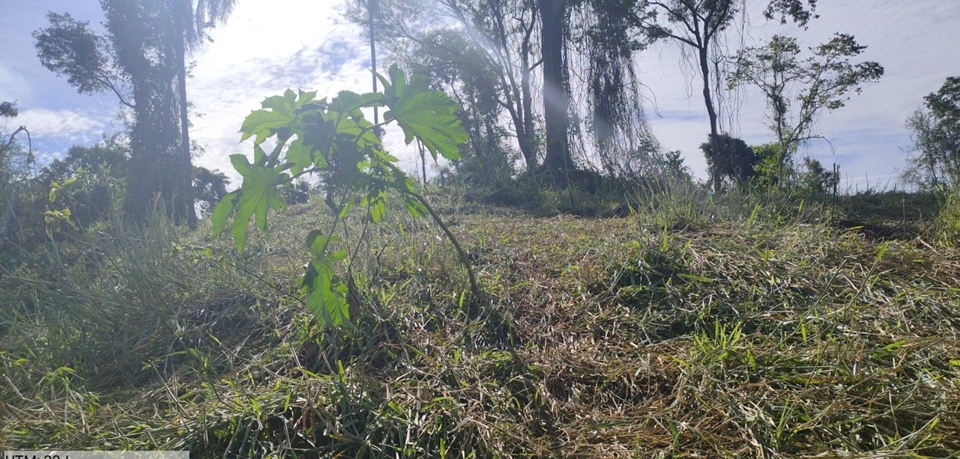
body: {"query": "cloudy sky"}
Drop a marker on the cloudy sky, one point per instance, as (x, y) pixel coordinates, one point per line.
(271, 45)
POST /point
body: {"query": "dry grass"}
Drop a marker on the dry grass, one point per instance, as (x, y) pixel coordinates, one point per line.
(622, 337)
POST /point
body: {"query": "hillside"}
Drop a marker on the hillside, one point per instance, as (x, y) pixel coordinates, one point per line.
(749, 328)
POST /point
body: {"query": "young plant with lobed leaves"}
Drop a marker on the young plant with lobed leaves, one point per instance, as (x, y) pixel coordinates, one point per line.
(334, 140)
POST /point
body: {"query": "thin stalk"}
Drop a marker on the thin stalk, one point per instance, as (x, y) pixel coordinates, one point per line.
(464, 260)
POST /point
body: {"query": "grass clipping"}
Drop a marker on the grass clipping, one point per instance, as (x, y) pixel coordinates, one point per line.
(613, 339)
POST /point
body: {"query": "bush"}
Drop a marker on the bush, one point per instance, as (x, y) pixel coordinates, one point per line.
(729, 158)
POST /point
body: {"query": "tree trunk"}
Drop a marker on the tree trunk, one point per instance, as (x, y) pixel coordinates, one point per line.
(557, 162)
(183, 200)
(528, 141)
(143, 173)
(707, 99)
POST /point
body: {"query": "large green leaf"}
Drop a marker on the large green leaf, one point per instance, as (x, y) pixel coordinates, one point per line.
(258, 191)
(423, 114)
(277, 112)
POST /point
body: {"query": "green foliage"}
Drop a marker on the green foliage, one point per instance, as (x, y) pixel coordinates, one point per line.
(768, 169)
(8, 109)
(96, 175)
(209, 188)
(816, 179)
(729, 158)
(936, 135)
(948, 221)
(69, 47)
(139, 60)
(335, 141)
(798, 89)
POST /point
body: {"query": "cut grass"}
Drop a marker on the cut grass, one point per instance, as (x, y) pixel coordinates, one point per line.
(757, 331)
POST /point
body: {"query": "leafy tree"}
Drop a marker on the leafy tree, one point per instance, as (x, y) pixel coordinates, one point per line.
(699, 26)
(696, 24)
(141, 61)
(797, 90)
(936, 134)
(502, 31)
(817, 179)
(518, 37)
(729, 158)
(86, 181)
(209, 188)
(767, 168)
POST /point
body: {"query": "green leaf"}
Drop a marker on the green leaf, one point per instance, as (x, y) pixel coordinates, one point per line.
(261, 123)
(414, 207)
(326, 299)
(359, 132)
(695, 278)
(222, 212)
(258, 191)
(350, 102)
(299, 156)
(424, 114)
(277, 112)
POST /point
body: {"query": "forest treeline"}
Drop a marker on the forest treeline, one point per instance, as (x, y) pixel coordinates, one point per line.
(548, 93)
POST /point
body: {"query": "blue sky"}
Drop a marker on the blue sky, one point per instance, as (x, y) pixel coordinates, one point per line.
(270, 45)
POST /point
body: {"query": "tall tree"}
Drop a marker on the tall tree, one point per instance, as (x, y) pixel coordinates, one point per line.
(135, 61)
(797, 90)
(144, 41)
(190, 25)
(696, 24)
(553, 38)
(142, 60)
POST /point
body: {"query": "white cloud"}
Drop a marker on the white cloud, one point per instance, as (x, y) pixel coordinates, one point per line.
(13, 87)
(75, 126)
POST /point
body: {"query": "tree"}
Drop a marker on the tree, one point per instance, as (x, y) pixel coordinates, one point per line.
(503, 31)
(624, 144)
(817, 179)
(729, 158)
(457, 65)
(557, 161)
(15, 164)
(191, 25)
(209, 187)
(936, 135)
(87, 181)
(142, 61)
(696, 24)
(135, 61)
(798, 90)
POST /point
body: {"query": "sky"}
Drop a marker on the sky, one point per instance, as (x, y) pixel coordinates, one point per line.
(268, 46)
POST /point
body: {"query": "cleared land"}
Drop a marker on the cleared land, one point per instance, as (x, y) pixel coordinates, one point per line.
(768, 331)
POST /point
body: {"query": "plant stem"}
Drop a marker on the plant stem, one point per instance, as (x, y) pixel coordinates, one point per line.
(474, 286)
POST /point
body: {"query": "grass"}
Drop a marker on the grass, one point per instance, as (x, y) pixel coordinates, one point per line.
(744, 326)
